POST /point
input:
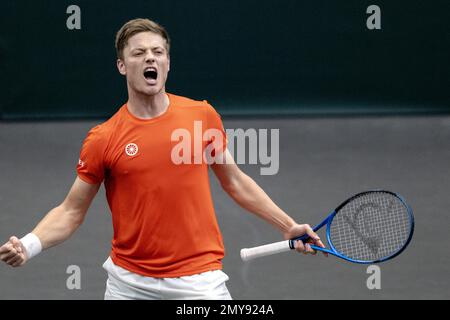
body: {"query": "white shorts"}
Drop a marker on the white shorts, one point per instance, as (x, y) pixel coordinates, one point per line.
(125, 285)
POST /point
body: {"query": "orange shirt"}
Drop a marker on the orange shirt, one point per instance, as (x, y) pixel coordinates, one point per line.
(162, 212)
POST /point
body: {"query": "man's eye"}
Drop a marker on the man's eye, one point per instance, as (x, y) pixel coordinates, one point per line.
(138, 53)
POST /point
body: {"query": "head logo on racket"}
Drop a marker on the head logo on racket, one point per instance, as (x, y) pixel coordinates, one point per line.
(370, 227)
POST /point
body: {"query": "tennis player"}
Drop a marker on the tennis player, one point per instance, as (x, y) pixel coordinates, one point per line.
(167, 243)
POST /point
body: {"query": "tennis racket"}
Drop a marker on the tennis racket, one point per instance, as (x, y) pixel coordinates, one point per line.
(370, 227)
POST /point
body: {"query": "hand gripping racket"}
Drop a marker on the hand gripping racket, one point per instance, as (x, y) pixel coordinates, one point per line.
(370, 227)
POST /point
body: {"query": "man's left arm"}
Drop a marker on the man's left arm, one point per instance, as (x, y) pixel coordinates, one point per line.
(250, 196)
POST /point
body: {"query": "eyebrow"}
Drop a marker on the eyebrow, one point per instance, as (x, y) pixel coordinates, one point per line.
(143, 48)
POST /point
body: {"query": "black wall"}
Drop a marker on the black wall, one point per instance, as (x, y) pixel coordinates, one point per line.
(265, 56)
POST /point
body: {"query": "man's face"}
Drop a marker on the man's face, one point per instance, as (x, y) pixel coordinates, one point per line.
(145, 63)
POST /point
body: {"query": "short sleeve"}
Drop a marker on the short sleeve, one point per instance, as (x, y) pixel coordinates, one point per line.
(216, 134)
(90, 166)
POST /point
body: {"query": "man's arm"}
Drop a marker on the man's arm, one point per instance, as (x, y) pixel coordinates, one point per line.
(246, 192)
(57, 226)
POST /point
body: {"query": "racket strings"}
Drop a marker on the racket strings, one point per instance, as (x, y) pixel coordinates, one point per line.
(370, 227)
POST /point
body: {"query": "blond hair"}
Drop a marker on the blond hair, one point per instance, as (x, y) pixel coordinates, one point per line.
(136, 26)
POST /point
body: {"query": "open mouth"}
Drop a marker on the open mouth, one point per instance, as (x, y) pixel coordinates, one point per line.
(150, 74)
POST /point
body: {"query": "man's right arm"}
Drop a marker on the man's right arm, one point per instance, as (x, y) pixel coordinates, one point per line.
(57, 226)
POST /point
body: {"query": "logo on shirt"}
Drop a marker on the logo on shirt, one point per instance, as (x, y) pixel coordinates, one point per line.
(131, 149)
(81, 163)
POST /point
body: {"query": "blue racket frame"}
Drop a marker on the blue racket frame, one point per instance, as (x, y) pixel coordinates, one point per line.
(329, 219)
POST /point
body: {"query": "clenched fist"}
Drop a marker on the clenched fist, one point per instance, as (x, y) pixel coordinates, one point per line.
(13, 253)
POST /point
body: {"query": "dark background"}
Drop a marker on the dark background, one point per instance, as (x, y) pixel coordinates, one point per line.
(245, 57)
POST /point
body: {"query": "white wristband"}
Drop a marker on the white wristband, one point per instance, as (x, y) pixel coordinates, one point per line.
(32, 245)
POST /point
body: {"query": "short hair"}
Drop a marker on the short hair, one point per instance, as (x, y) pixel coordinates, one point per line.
(136, 26)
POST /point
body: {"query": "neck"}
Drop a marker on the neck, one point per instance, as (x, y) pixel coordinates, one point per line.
(147, 107)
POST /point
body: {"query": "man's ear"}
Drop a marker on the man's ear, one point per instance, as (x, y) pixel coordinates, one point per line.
(168, 63)
(121, 67)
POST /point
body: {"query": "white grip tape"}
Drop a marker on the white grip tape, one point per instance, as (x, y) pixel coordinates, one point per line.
(265, 250)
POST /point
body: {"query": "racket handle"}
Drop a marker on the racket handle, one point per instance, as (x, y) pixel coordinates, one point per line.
(265, 250)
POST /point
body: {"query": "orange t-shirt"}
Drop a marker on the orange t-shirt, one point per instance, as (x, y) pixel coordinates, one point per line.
(162, 212)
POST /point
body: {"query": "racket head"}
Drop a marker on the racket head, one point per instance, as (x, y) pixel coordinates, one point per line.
(370, 227)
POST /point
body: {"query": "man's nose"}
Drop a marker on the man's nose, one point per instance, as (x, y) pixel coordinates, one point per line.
(150, 57)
